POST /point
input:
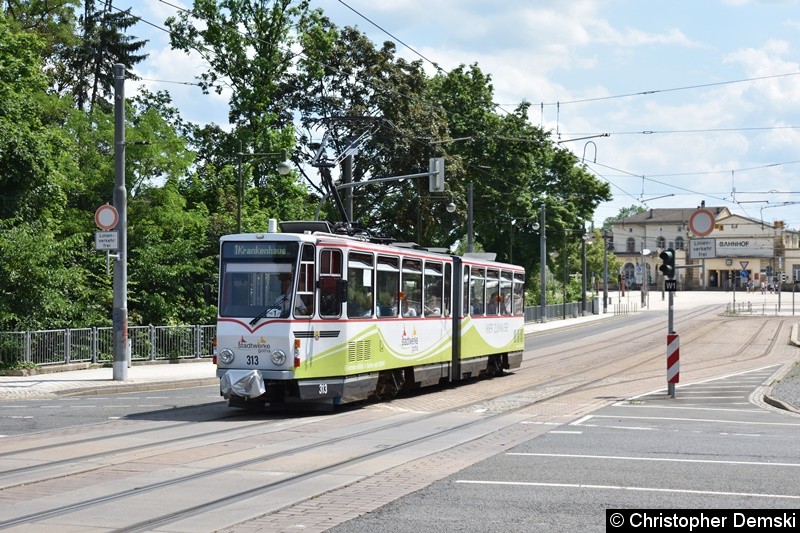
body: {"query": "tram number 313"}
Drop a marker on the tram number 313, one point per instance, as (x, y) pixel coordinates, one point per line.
(323, 388)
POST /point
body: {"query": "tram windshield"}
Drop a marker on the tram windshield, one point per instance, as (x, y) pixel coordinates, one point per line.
(257, 279)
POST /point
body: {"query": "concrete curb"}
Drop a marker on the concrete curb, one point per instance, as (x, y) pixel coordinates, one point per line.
(793, 336)
(779, 404)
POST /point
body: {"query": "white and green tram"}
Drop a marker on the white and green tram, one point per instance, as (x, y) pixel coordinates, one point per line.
(360, 319)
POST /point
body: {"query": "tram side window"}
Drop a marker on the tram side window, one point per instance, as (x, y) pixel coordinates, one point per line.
(448, 290)
(387, 286)
(433, 289)
(519, 294)
(465, 286)
(330, 272)
(505, 294)
(477, 293)
(359, 285)
(411, 293)
(304, 306)
(492, 292)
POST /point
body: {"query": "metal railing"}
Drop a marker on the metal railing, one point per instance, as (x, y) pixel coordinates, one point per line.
(95, 345)
(164, 343)
(573, 310)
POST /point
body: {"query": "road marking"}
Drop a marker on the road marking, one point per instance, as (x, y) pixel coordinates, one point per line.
(710, 420)
(689, 407)
(567, 432)
(651, 459)
(580, 421)
(693, 398)
(636, 489)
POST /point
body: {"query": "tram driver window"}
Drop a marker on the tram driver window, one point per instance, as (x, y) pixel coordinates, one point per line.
(330, 271)
(304, 305)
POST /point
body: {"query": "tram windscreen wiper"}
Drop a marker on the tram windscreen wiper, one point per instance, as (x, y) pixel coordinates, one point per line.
(262, 314)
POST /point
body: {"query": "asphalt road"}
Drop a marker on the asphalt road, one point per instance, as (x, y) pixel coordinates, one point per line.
(709, 448)
(32, 415)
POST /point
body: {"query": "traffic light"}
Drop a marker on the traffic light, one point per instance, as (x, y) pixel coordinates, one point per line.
(436, 174)
(668, 263)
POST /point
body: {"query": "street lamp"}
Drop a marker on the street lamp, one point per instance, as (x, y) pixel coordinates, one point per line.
(606, 235)
(284, 168)
(543, 264)
(584, 238)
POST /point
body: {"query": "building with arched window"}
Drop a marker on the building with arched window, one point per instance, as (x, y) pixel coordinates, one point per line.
(735, 245)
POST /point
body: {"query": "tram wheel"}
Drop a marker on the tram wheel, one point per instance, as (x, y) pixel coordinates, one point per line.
(390, 383)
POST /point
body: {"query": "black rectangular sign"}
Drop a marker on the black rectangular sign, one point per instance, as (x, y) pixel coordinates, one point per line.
(259, 250)
(671, 285)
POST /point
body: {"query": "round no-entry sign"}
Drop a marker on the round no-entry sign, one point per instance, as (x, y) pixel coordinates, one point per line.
(701, 222)
(106, 217)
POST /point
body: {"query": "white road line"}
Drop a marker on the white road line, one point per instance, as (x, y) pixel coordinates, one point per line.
(676, 419)
(689, 407)
(580, 421)
(567, 432)
(710, 380)
(635, 489)
(652, 459)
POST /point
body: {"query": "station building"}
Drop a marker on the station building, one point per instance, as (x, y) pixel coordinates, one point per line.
(737, 251)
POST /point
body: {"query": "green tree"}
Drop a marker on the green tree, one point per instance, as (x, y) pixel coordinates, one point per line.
(45, 280)
(247, 45)
(34, 155)
(624, 213)
(87, 68)
(53, 21)
(170, 270)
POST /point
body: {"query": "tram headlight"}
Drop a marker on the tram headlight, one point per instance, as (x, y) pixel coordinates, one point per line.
(278, 357)
(226, 356)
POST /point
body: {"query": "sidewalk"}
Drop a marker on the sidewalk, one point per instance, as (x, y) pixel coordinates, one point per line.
(195, 373)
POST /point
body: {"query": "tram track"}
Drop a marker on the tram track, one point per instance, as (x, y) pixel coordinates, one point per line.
(449, 425)
(31, 467)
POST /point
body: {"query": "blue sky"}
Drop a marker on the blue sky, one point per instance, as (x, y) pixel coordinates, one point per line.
(722, 113)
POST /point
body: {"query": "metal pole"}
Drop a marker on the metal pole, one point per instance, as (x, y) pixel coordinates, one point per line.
(605, 272)
(583, 274)
(511, 242)
(470, 244)
(119, 315)
(239, 191)
(564, 290)
(543, 261)
(347, 177)
(670, 325)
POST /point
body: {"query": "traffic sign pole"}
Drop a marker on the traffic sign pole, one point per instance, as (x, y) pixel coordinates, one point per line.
(670, 333)
(673, 362)
(119, 315)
